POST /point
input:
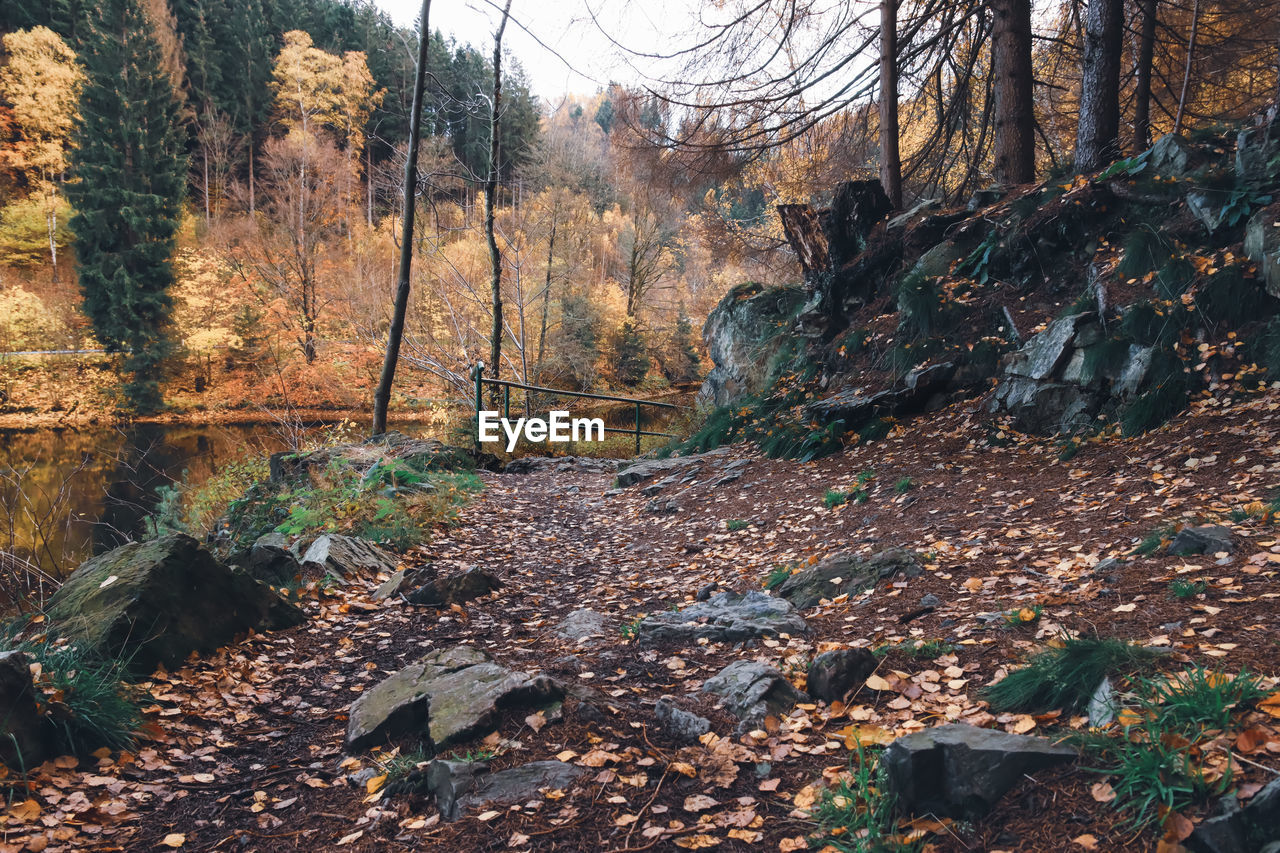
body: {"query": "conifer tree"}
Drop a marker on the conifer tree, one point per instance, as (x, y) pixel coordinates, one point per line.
(130, 170)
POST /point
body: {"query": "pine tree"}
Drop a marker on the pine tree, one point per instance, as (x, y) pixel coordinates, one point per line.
(130, 168)
(684, 361)
(631, 354)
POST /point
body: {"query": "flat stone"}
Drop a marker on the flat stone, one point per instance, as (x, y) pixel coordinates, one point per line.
(271, 561)
(726, 617)
(24, 740)
(1251, 829)
(454, 589)
(581, 624)
(751, 690)
(647, 469)
(449, 697)
(961, 771)
(833, 674)
(461, 786)
(678, 723)
(847, 573)
(561, 465)
(158, 601)
(347, 557)
(1209, 539)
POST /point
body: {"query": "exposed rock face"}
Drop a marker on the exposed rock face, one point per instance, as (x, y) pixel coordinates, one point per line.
(271, 561)
(1262, 245)
(1208, 539)
(751, 690)
(961, 771)
(460, 786)
(581, 624)
(856, 406)
(681, 467)
(1252, 829)
(847, 573)
(449, 696)
(23, 740)
(833, 674)
(346, 557)
(455, 589)
(678, 723)
(727, 617)
(158, 601)
(1059, 382)
(742, 335)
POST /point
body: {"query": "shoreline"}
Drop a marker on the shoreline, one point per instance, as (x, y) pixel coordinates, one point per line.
(20, 422)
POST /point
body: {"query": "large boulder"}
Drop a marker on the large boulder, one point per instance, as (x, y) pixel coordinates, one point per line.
(751, 691)
(847, 573)
(460, 786)
(347, 558)
(447, 697)
(728, 617)
(1206, 539)
(742, 334)
(961, 771)
(1262, 245)
(24, 741)
(271, 561)
(157, 602)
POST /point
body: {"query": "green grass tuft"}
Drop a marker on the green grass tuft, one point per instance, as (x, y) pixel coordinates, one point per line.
(1066, 677)
(1182, 588)
(904, 485)
(859, 815)
(834, 498)
(733, 525)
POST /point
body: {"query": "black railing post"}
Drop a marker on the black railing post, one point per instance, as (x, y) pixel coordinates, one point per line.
(506, 402)
(637, 429)
(478, 372)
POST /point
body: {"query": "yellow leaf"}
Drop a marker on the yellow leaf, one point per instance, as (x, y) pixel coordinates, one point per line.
(1271, 704)
(375, 784)
(865, 735)
(174, 840)
(1124, 608)
(683, 769)
(787, 845)
(875, 682)
(1102, 792)
(488, 816)
(1023, 724)
(698, 842)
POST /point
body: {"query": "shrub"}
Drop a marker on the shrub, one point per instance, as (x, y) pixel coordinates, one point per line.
(1182, 588)
(834, 498)
(91, 707)
(858, 814)
(733, 525)
(1067, 675)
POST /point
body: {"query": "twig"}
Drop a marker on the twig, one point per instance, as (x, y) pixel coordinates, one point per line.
(626, 842)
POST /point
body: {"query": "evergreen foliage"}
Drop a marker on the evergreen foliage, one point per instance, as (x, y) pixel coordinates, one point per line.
(631, 356)
(130, 168)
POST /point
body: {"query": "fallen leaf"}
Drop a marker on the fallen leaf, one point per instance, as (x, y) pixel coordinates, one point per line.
(699, 803)
(488, 816)
(1102, 792)
(1088, 842)
(348, 839)
(174, 840)
(698, 842)
(875, 682)
(787, 845)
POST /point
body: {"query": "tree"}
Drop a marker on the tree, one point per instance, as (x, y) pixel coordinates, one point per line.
(130, 169)
(490, 194)
(1142, 88)
(631, 353)
(1098, 127)
(41, 83)
(890, 158)
(1013, 108)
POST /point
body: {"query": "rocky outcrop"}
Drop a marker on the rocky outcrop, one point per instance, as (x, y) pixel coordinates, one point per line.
(446, 698)
(857, 406)
(157, 602)
(833, 674)
(751, 691)
(678, 723)
(742, 334)
(681, 467)
(847, 574)
(1062, 378)
(728, 617)
(461, 786)
(1262, 245)
(346, 558)
(293, 468)
(24, 742)
(961, 771)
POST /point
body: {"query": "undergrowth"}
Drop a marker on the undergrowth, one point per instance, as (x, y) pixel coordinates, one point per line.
(1065, 676)
(858, 814)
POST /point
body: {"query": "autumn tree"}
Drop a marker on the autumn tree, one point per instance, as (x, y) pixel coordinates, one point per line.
(130, 172)
(1098, 127)
(41, 83)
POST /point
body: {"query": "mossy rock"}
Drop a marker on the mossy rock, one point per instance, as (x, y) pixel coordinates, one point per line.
(157, 602)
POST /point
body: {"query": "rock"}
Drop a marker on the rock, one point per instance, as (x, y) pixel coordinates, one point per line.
(937, 261)
(848, 573)
(1262, 245)
(1209, 206)
(1256, 149)
(902, 220)
(728, 617)
(662, 506)
(271, 561)
(706, 591)
(742, 334)
(678, 723)
(1102, 706)
(751, 690)
(961, 771)
(1209, 539)
(833, 674)
(561, 465)
(646, 469)
(157, 602)
(455, 589)
(581, 624)
(1169, 157)
(1252, 829)
(984, 198)
(930, 600)
(398, 583)
(24, 742)
(1044, 354)
(448, 696)
(292, 468)
(460, 786)
(346, 557)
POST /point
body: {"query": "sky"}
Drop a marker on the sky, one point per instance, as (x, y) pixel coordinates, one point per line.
(556, 41)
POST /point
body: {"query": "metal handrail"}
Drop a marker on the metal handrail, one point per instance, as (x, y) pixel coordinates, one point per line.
(477, 373)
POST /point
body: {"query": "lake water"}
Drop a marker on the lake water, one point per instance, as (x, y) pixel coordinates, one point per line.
(67, 494)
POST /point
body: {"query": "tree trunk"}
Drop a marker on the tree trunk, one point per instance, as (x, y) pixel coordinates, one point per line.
(382, 397)
(490, 191)
(1015, 145)
(1186, 71)
(1142, 89)
(546, 299)
(1098, 130)
(890, 158)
